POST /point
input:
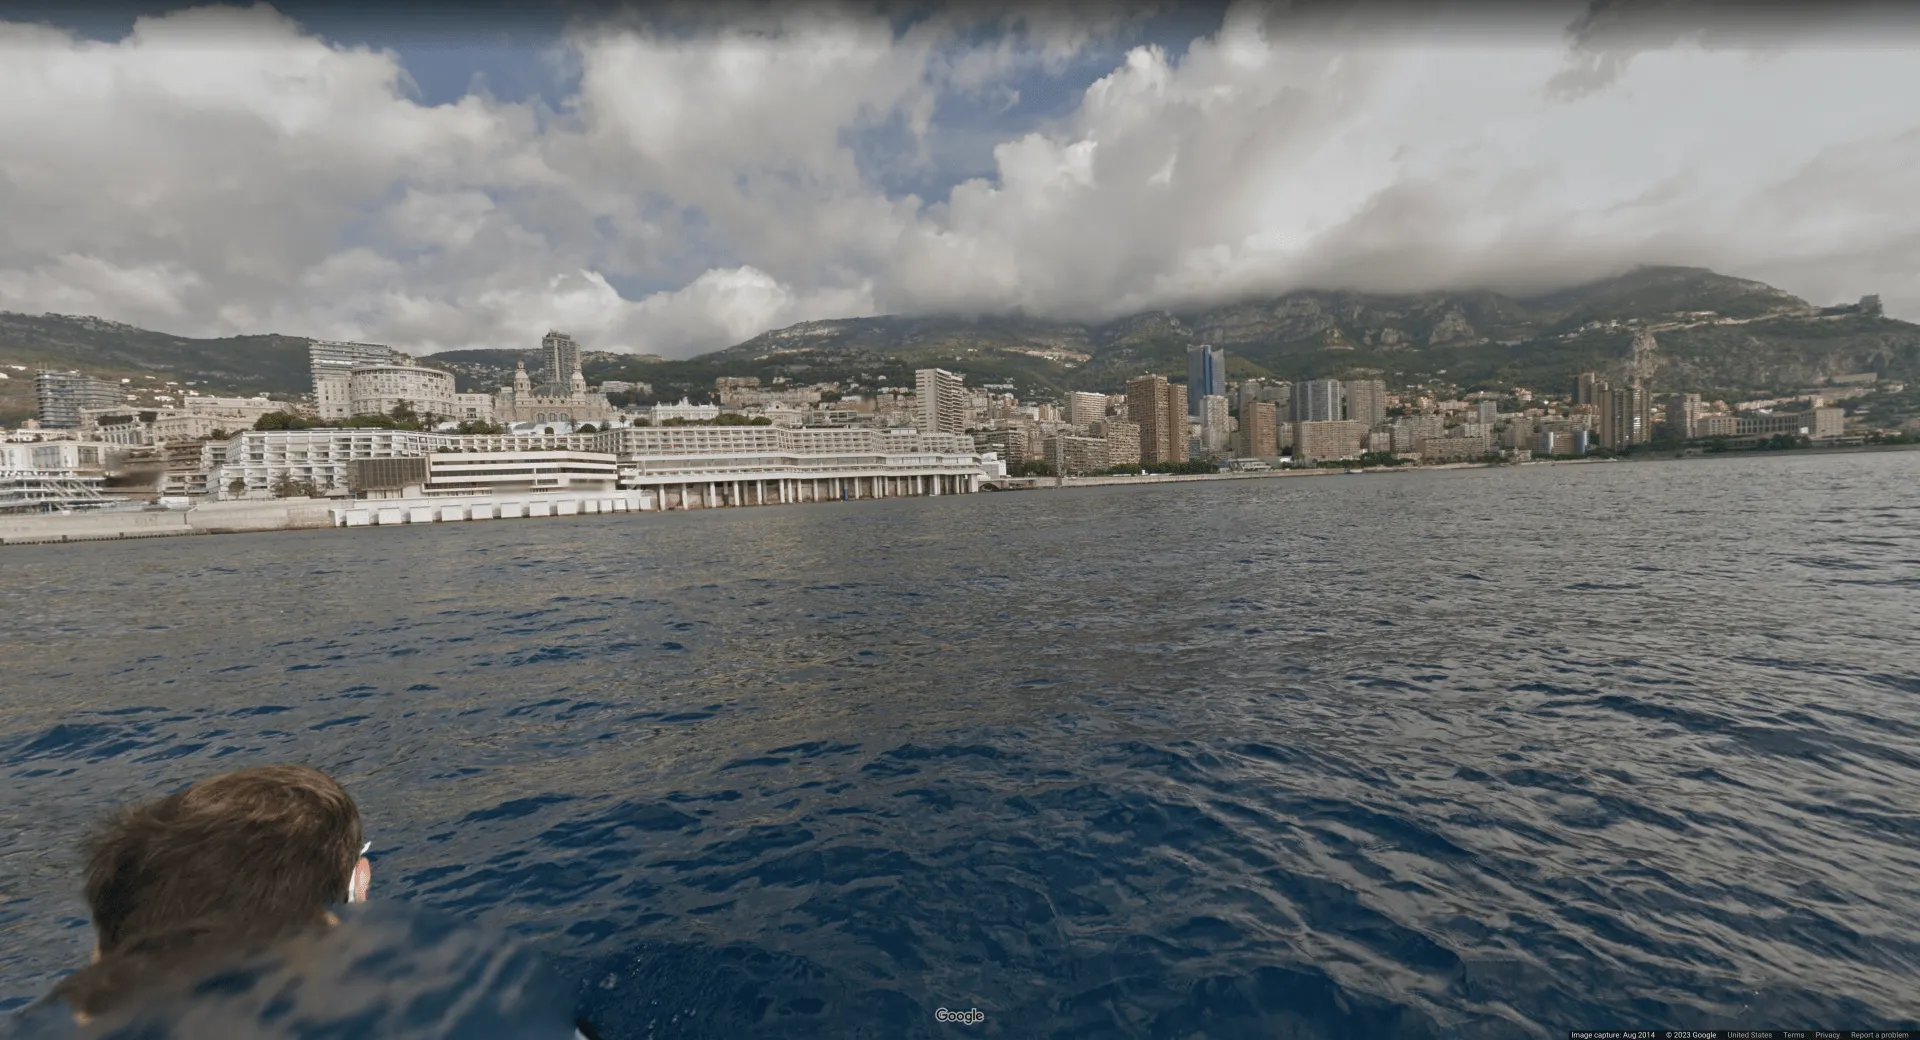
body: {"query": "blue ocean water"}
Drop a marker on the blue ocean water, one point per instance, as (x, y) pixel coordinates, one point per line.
(1486, 753)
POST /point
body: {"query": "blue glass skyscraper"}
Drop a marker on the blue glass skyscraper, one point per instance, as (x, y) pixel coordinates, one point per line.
(1206, 375)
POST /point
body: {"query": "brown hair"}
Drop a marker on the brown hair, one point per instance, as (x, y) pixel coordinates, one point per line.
(226, 864)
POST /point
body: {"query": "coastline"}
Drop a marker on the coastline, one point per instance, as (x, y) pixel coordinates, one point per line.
(316, 514)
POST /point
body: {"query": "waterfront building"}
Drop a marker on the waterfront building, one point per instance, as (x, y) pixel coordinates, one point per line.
(1318, 400)
(1009, 442)
(942, 397)
(1366, 401)
(1683, 410)
(1160, 409)
(1551, 441)
(379, 389)
(1455, 449)
(1083, 408)
(1327, 440)
(1122, 439)
(472, 473)
(1408, 431)
(1518, 433)
(1817, 423)
(1206, 376)
(62, 395)
(1379, 442)
(1625, 414)
(53, 476)
(58, 456)
(766, 465)
(258, 460)
(1215, 424)
(1071, 456)
(1259, 428)
(716, 464)
(1716, 425)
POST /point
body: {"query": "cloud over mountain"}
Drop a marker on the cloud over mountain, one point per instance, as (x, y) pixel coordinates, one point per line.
(697, 177)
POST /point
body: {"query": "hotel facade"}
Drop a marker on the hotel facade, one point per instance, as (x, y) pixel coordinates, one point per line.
(684, 466)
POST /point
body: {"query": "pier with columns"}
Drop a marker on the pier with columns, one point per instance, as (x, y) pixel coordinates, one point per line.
(771, 489)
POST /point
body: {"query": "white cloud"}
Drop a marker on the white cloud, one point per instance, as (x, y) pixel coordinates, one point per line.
(222, 171)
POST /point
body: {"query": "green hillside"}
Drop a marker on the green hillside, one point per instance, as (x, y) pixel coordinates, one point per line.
(1715, 334)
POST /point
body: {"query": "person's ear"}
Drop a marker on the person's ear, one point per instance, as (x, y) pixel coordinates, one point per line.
(361, 880)
(94, 958)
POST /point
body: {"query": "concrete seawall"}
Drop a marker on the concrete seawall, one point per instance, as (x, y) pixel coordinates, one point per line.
(87, 527)
(294, 514)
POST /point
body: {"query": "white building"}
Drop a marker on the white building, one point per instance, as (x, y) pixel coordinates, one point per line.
(379, 389)
(686, 410)
(56, 476)
(256, 460)
(520, 472)
(473, 407)
(683, 465)
(331, 363)
(703, 466)
(247, 409)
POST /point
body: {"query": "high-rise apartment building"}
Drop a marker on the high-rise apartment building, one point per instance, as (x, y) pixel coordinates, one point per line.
(1010, 442)
(1486, 411)
(1206, 375)
(1122, 438)
(1160, 410)
(61, 396)
(1626, 415)
(1366, 401)
(1409, 431)
(1174, 398)
(1586, 389)
(1083, 408)
(1216, 426)
(562, 356)
(1318, 400)
(942, 398)
(1070, 455)
(1683, 410)
(1329, 439)
(1259, 428)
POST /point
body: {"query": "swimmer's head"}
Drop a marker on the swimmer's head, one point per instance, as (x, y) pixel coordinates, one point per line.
(238, 857)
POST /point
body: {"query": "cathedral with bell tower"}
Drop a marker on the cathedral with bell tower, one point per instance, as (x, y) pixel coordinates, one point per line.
(562, 397)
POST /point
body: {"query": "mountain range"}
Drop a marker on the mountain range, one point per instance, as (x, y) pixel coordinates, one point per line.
(1716, 334)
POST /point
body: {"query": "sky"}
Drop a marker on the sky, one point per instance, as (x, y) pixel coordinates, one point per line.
(674, 179)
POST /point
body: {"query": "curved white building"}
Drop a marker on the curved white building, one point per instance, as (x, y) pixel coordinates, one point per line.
(377, 389)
